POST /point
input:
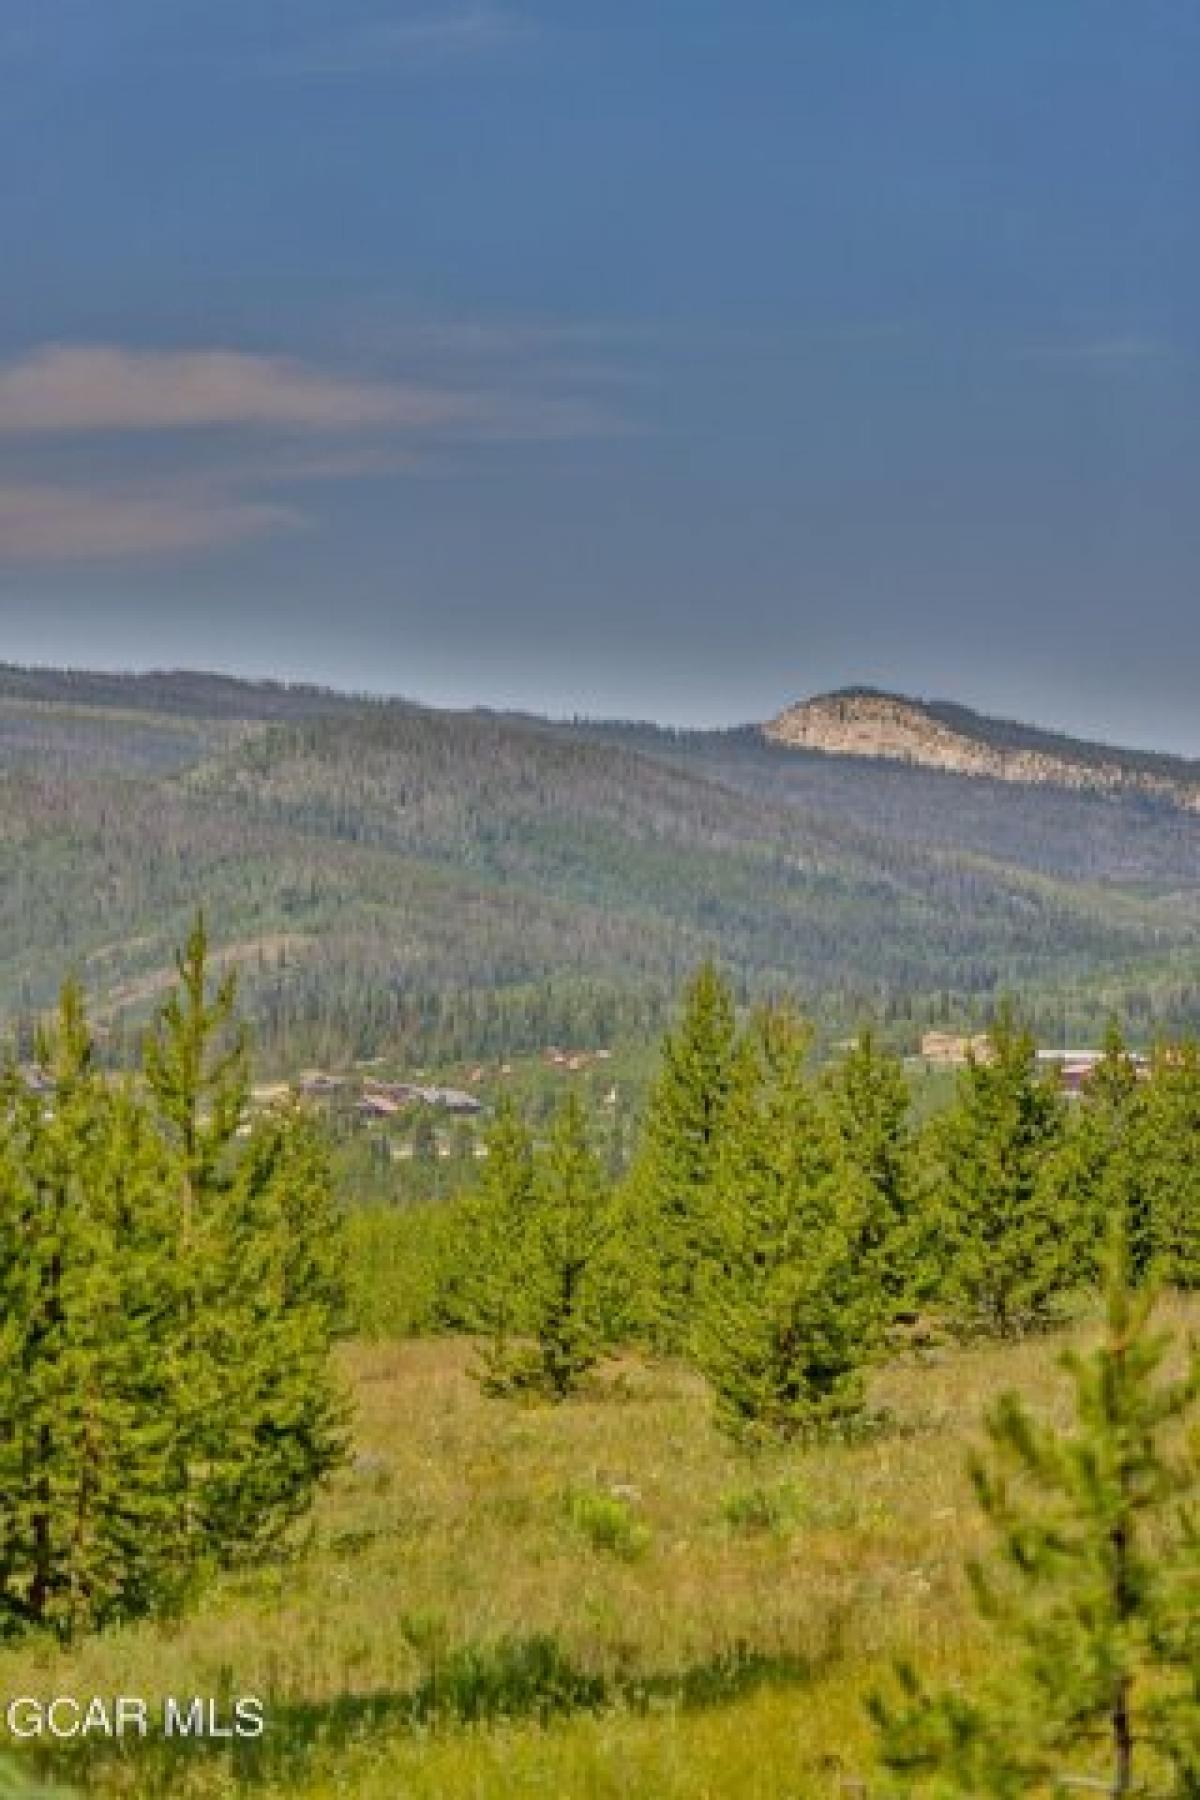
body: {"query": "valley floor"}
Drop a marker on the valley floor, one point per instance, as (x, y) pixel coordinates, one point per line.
(600, 1600)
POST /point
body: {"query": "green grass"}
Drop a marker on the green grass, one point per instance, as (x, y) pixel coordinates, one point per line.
(600, 1599)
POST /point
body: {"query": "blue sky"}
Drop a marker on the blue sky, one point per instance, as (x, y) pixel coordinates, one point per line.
(672, 359)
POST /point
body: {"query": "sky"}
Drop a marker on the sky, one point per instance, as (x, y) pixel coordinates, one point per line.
(670, 358)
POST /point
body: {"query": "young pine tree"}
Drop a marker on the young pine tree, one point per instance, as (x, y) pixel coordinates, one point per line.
(197, 1066)
(1094, 1590)
(166, 1305)
(549, 1298)
(258, 1419)
(1010, 1252)
(871, 1107)
(574, 1227)
(1166, 1152)
(789, 1305)
(490, 1245)
(674, 1170)
(283, 1417)
(89, 1503)
(1095, 1171)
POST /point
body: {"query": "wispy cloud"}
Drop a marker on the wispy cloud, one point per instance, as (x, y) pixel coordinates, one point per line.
(99, 388)
(205, 448)
(47, 523)
(384, 44)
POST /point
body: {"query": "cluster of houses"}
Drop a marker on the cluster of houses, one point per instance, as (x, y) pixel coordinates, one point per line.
(946, 1050)
(384, 1099)
(376, 1099)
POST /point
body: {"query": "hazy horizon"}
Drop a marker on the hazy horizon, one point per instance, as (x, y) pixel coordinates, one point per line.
(466, 700)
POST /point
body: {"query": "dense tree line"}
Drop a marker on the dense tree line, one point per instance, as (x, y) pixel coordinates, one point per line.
(169, 1288)
(778, 1224)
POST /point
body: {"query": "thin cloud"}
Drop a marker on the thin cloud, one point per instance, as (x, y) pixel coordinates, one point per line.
(206, 449)
(45, 523)
(100, 388)
(64, 391)
(434, 37)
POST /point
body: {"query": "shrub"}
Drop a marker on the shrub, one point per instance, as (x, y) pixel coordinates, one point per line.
(608, 1523)
(761, 1508)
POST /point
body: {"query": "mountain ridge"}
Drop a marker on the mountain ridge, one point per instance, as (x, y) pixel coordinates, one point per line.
(213, 693)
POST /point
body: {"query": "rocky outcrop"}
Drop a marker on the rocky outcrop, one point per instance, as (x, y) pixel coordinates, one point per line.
(891, 727)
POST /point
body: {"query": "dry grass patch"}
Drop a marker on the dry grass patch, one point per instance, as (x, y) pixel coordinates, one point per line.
(453, 1628)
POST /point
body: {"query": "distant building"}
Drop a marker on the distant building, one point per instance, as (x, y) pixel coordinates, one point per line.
(383, 1098)
(948, 1050)
(1074, 1067)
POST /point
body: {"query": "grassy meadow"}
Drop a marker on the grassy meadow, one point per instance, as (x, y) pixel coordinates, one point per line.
(599, 1599)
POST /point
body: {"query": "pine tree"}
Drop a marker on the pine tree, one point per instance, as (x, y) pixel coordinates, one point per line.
(1094, 1590)
(1010, 1254)
(197, 1067)
(789, 1305)
(167, 1301)
(545, 1293)
(88, 1504)
(1095, 1169)
(1166, 1153)
(490, 1243)
(283, 1417)
(681, 1139)
(871, 1107)
(258, 1421)
(574, 1227)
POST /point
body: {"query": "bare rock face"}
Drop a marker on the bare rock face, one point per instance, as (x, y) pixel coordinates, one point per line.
(900, 730)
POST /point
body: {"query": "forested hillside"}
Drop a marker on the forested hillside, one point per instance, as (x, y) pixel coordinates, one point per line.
(1128, 838)
(180, 693)
(386, 875)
